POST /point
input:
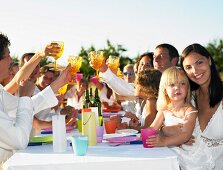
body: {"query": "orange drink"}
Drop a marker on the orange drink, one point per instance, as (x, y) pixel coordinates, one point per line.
(96, 58)
(113, 62)
(58, 55)
(75, 63)
(63, 89)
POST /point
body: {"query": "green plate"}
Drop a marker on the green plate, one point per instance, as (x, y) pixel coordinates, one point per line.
(43, 139)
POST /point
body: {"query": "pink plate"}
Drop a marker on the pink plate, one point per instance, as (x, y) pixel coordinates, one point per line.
(123, 139)
(108, 114)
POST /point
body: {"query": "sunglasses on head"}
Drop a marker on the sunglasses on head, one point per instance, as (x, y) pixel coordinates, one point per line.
(128, 73)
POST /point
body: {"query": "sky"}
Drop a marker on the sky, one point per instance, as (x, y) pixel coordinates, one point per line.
(138, 25)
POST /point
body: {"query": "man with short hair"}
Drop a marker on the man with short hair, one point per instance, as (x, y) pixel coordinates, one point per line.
(128, 73)
(165, 56)
(15, 132)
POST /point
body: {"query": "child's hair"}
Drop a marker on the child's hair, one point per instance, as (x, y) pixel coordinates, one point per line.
(171, 76)
(148, 81)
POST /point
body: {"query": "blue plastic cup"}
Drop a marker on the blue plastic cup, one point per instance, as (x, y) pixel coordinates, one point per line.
(80, 145)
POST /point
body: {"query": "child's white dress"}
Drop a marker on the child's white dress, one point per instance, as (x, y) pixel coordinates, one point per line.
(207, 151)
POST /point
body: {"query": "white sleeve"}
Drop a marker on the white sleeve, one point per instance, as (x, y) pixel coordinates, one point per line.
(15, 134)
(44, 99)
(45, 115)
(120, 86)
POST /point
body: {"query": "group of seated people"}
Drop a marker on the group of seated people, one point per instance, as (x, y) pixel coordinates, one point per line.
(183, 102)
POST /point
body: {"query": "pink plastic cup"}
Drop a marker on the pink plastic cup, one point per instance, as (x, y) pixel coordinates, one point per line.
(145, 133)
(94, 80)
(99, 133)
(79, 76)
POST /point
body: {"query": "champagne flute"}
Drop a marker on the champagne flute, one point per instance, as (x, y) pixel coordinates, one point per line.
(75, 64)
(58, 55)
(96, 58)
(113, 63)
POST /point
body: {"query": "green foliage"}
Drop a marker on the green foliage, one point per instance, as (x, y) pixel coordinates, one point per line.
(15, 59)
(44, 61)
(215, 48)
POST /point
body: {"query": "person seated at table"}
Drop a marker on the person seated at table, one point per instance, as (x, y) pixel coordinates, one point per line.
(147, 85)
(174, 107)
(43, 119)
(46, 77)
(13, 69)
(15, 132)
(128, 104)
(107, 96)
(75, 94)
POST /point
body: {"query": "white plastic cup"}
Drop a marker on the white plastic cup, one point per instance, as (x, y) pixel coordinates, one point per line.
(59, 133)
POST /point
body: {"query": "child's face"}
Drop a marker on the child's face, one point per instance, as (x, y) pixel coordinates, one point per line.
(177, 91)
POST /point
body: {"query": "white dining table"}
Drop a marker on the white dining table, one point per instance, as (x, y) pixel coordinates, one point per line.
(101, 156)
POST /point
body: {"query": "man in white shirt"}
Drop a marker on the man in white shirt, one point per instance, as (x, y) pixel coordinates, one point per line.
(15, 132)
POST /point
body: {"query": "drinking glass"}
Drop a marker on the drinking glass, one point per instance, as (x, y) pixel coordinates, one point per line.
(80, 145)
(96, 58)
(79, 76)
(75, 64)
(145, 133)
(58, 55)
(113, 62)
(63, 89)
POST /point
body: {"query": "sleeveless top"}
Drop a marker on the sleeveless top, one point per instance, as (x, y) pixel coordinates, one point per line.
(171, 119)
(208, 153)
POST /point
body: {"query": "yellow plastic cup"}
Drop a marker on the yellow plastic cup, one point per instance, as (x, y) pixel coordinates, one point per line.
(79, 125)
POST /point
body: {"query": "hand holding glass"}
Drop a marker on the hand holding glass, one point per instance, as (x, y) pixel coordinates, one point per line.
(59, 54)
(96, 58)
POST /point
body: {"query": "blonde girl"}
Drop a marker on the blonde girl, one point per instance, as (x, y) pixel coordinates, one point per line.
(174, 107)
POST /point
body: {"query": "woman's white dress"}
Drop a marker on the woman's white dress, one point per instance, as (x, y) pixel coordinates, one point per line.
(207, 151)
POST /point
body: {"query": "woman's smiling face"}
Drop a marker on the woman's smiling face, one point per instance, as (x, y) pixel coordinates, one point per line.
(197, 68)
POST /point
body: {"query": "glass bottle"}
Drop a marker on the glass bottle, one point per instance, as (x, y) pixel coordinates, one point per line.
(91, 97)
(86, 102)
(97, 103)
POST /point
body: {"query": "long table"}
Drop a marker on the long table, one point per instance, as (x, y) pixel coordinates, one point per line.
(102, 156)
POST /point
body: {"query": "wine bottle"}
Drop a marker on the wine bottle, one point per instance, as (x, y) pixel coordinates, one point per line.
(91, 97)
(86, 102)
(97, 103)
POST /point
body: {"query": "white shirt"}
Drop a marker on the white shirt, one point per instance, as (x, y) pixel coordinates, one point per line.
(120, 86)
(123, 88)
(15, 132)
(72, 98)
(46, 114)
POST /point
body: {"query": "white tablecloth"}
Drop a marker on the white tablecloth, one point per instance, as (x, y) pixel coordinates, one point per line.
(102, 156)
